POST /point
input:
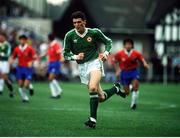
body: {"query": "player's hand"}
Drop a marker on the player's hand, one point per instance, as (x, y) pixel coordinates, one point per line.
(30, 64)
(117, 73)
(62, 59)
(146, 65)
(103, 56)
(80, 56)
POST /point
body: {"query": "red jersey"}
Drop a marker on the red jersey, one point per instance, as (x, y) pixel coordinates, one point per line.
(24, 54)
(54, 51)
(128, 61)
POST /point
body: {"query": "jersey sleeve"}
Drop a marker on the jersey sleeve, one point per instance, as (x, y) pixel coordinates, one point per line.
(6, 51)
(68, 55)
(15, 53)
(140, 56)
(33, 52)
(116, 57)
(58, 48)
(104, 39)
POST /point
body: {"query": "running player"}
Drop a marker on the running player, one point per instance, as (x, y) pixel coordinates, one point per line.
(24, 71)
(81, 45)
(54, 65)
(128, 59)
(5, 50)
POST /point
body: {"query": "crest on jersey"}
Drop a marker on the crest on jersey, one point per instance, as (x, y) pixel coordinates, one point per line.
(89, 39)
(75, 40)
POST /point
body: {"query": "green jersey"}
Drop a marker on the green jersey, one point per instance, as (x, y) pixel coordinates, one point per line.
(5, 50)
(87, 43)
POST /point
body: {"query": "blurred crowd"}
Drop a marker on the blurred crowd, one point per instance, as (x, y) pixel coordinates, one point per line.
(69, 71)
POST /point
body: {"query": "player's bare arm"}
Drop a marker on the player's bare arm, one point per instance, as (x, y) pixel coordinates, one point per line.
(146, 65)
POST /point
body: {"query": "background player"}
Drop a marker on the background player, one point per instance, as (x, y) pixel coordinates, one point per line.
(81, 44)
(54, 65)
(5, 51)
(128, 59)
(24, 71)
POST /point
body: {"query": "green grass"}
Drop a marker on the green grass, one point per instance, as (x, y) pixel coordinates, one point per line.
(158, 113)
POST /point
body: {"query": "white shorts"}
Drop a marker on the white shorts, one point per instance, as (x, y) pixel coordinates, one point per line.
(4, 67)
(86, 68)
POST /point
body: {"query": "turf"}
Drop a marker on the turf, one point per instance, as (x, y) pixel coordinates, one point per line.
(158, 113)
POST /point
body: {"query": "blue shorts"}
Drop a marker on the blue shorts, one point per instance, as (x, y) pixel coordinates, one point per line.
(127, 76)
(54, 67)
(24, 73)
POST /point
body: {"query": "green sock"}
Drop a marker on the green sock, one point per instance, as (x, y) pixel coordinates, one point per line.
(109, 92)
(93, 104)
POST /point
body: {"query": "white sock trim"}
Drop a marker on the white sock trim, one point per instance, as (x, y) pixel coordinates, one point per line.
(30, 86)
(93, 119)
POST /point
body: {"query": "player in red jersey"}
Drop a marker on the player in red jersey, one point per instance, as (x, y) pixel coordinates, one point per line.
(24, 71)
(54, 54)
(128, 60)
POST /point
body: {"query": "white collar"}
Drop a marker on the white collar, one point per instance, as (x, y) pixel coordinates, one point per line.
(128, 53)
(82, 35)
(22, 48)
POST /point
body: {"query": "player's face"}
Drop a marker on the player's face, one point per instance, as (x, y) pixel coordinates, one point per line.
(22, 41)
(2, 38)
(128, 46)
(79, 25)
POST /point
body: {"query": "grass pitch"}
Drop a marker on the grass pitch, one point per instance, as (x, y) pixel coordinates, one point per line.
(158, 113)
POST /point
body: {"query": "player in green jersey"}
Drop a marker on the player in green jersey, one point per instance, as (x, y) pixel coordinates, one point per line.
(82, 44)
(5, 50)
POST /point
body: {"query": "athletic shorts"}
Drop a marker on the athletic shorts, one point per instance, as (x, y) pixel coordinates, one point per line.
(54, 67)
(4, 67)
(86, 68)
(127, 76)
(24, 73)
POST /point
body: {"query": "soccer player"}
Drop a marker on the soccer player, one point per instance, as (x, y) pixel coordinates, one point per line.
(5, 50)
(24, 71)
(128, 59)
(81, 44)
(54, 56)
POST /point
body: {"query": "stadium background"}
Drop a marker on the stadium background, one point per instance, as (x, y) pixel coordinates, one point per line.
(154, 25)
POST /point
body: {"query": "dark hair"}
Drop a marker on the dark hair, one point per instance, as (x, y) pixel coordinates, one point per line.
(51, 37)
(128, 40)
(78, 14)
(23, 36)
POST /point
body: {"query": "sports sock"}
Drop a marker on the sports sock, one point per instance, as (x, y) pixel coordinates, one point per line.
(53, 89)
(31, 86)
(56, 85)
(23, 94)
(93, 104)
(134, 97)
(110, 92)
(9, 85)
(1, 85)
(130, 87)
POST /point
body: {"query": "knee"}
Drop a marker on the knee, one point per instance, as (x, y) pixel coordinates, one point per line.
(51, 77)
(21, 85)
(135, 88)
(92, 88)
